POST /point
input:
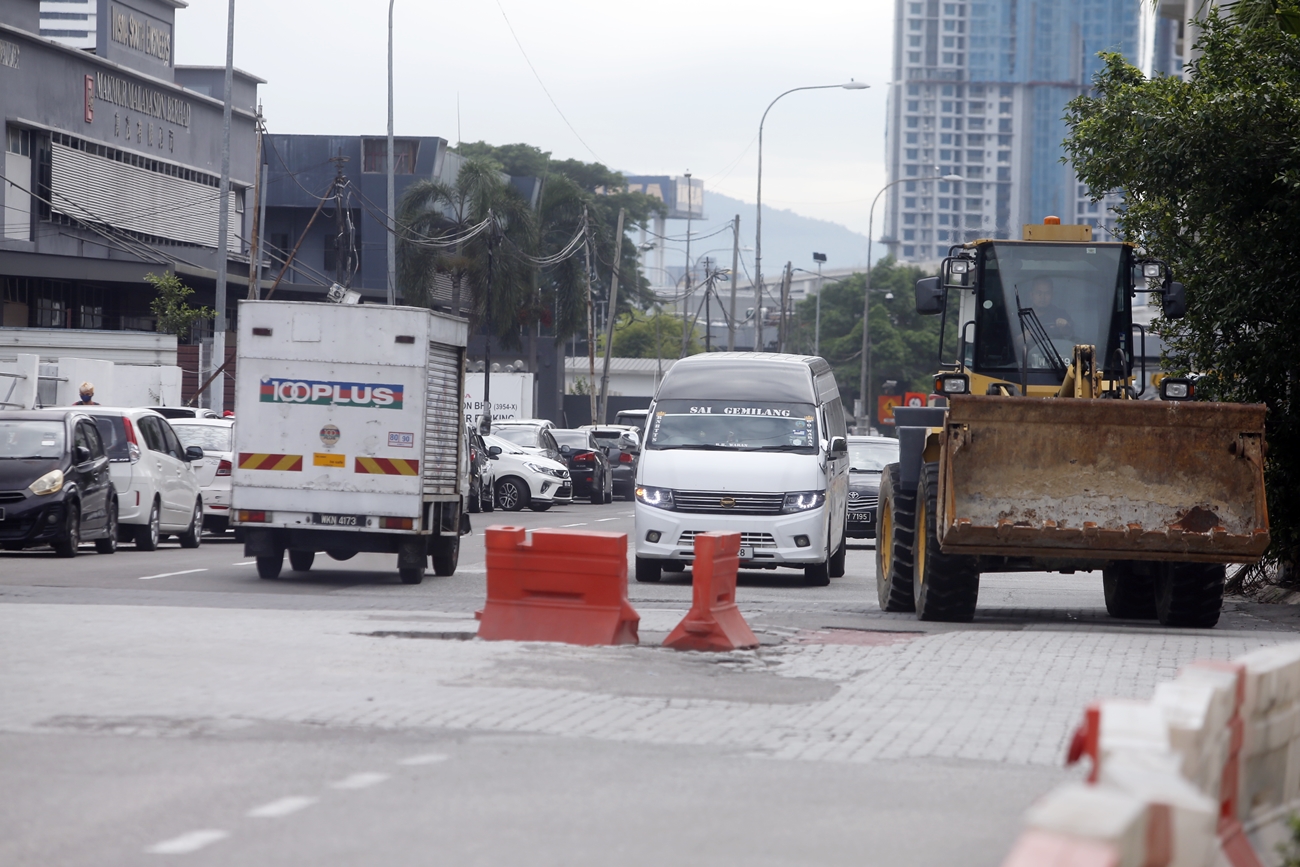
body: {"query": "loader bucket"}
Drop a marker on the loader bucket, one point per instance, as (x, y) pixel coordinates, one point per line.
(1103, 479)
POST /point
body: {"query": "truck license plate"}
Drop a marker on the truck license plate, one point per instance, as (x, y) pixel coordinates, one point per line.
(339, 520)
(746, 552)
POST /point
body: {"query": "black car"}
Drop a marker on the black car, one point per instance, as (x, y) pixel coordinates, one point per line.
(55, 487)
(481, 474)
(868, 457)
(588, 465)
(622, 447)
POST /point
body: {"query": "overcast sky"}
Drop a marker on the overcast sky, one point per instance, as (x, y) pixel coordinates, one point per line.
(658, 88)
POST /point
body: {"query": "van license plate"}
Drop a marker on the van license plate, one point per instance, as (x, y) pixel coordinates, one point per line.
(339, 520)
(746, 552)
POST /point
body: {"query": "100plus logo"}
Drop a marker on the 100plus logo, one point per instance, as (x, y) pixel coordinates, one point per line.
(363, 394)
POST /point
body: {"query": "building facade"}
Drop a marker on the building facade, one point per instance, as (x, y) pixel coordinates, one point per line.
(979, 90)
(112, 166)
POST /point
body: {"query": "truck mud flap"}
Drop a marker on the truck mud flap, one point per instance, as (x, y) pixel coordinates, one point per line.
(1103, 479)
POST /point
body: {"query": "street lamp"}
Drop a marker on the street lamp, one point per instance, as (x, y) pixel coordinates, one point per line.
(864, 416)
(758, 223)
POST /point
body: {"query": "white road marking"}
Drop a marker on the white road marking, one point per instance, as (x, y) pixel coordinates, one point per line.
(362, 780)
(282, 807)
(191, 842)
(245, 563)
(602, 520)
(582, 524)
(426, 759)
(170, 574)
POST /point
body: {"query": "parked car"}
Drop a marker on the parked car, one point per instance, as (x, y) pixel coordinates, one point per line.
(157, 489)
(622, 445)
(215, 436)
(532, 435)
(184, 412)
(633, 418)
(525, 479)
(868, 457)
(588, 465)
(482, 473)
(56, 488)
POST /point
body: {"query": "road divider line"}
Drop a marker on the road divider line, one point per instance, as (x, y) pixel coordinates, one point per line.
(363, 780)
(602, 520)
(245, 563)
(191, 842)
(170, 574)
(426, 759)
(583, 524)
(282, 807)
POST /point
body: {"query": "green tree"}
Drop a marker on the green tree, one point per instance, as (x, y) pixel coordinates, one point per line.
(652, 335)
(171, 309)
(1210, 172)
(904, 344)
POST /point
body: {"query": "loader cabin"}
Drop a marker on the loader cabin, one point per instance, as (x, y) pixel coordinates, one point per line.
(1023, 306)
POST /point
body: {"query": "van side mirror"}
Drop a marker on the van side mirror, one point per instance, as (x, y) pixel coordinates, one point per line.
(837, 447)
(929, 296)
(1175, 303)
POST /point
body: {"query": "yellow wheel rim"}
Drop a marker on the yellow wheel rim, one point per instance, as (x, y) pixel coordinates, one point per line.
(918, 545)
(884, 540)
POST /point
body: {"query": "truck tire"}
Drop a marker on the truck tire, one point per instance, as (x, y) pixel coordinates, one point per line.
(446, 554)
(269, 567)
(1189, 594)
(341, 555)
(648, 571)
(1130, 589)
(945, 587)
(411, 574)
(300, 561)
(512, 494)
(896, 516)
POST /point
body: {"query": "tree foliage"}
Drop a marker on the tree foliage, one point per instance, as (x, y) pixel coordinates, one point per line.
(1210, 172)
(171, 309)
(904, 344)
(652, 335)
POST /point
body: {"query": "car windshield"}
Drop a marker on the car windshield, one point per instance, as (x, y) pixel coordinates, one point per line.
(31, 439)
(619, 438)
(209, 437)
(112, 430)
(520, 436)
(871, 457)
(574, 439)
(743, 426)
(1050, 297)
(505, 445)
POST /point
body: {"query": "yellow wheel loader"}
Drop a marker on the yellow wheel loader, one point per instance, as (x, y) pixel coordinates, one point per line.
(1040, 453)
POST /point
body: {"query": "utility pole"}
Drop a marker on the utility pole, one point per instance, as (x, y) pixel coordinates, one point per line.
(735, 272)
(591, 319)
(708, 308)
(391, 228)
(819, 258)
(217, 397)
(609, 319)
(783, 326)
(339, 225)
(686, 296)
(485, 420)
(259, 190)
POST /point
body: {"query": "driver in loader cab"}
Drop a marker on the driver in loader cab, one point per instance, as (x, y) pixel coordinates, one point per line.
(1055, 320)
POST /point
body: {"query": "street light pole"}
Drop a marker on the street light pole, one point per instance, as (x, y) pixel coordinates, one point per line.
(819, 258)
(392, 205)
(686, 295)
(864, 416)
(758, 222)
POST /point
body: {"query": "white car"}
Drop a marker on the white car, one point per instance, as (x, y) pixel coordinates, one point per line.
(215, 436)
(527, 479)
(157, 489)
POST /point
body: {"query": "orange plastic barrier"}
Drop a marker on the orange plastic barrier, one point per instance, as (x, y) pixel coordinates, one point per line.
(560, 585)
(714, 622)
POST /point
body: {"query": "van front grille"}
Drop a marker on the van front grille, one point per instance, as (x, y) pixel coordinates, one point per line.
(753, 540)
(728, 503)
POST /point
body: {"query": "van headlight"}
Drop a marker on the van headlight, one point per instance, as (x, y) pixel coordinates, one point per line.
(802, 501)
(660, 498)
(50, 483)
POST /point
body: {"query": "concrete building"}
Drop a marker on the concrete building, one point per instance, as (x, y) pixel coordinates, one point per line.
(111, 167)
(979, 90)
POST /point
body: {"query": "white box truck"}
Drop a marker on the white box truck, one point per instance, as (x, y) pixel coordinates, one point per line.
(348, 435)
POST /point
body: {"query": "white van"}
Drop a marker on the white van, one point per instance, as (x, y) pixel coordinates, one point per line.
(749, 442)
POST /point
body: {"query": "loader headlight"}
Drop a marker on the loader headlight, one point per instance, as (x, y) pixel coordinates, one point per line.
(1151, 269)
(802, 501)
(952, 383)
(1177, 388)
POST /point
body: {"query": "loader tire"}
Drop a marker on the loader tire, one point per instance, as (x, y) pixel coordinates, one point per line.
(944, 586)
(1189, 594)
(1130, 588)
(896, 516)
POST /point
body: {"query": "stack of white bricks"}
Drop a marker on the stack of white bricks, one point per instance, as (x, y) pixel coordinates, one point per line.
(1205, 774)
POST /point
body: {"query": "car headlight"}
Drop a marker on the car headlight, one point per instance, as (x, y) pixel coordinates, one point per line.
(547, 471)
(660, 498)
(802, 501)
(50, 483)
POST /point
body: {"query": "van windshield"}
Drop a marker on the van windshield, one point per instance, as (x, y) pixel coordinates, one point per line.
(742, 426)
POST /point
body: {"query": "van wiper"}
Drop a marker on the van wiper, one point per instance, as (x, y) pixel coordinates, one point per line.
(783, 447)
(857, 470)
(703, 447)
